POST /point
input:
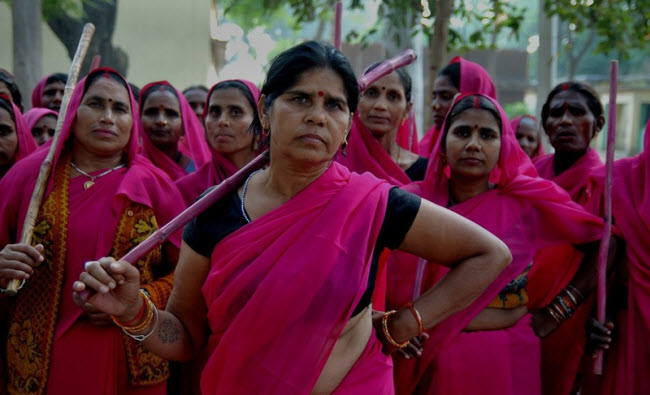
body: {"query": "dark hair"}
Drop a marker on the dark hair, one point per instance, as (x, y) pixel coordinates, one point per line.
(10, 81)
(468, 103)
(135, 90)
(403, 77)
(56, 77)
(593, 100)
(452, 72)
(240, 86)
(195, 87)
(287, 67)
(6, 104)
(147, 92)
(96, 74)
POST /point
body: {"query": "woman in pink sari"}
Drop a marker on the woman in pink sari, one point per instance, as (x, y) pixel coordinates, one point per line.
(48, 93)
(15, 140)
(459, 76)
(528, 135)
(384, 108)
(41, 122)
(9, 88)
(102, 198)
(492, 341)
(172, 136)
(230, 109)
(279, 269)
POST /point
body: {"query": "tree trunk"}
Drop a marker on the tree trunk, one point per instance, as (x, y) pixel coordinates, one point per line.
(437, 52)
(102, 14)
(546, 56)
(27, 46)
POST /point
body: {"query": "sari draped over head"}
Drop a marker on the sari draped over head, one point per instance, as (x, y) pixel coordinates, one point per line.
(539, 151)
(407, 134)
(365, 153)
(215, 171)
(562, 350)
(526, 213)
(628, 360)
(290, 280)
(26, 142)
(473, 79)
(48, 337)
(35, 114)
(37, 93)
(192, 144)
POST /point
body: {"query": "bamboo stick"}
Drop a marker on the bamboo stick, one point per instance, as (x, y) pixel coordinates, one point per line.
(46, 167)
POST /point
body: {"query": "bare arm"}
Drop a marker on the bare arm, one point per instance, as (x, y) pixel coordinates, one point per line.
(474, 255)
(181, 328)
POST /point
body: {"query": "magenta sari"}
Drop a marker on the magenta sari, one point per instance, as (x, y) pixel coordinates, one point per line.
(525, 212)
(407, 134)
(215, 171)
(192, 144)
(37, 93)
(473, 78)
(293, 276)
(26, 142)
(74, 338)
(515, 125)
(35, 114)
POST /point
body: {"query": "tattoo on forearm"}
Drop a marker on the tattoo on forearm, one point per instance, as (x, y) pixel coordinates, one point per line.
(169, 331)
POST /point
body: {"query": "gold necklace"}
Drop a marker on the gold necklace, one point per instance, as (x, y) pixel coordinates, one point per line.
(91, 182)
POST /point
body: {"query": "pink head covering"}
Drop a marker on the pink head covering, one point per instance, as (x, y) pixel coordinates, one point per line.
(37, 93)
(524, 211)
(192, 185)
(26, 143)
(193, 144)
(34, 115)
(539, 151)
(473, 79)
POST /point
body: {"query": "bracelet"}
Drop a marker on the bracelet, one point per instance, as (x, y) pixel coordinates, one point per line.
(22, 283)
(141, 338)
(150, 311)
(417, 316)
(384, 325)
(138, 317)
(554, 315)
(574, 289)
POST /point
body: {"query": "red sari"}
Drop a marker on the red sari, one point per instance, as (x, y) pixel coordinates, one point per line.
(525, 212)
(293, 276)
(473, 79)
(192, 144)
(50, 346)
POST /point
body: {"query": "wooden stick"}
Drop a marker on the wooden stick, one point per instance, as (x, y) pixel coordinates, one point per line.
(232, 182)
(386, 67)
(46, 167)
(337, 25)
(607, 232)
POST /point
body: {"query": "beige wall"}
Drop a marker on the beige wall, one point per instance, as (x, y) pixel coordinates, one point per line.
(164, 39)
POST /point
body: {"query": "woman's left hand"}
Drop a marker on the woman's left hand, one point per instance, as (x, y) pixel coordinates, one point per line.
(412, 350)
(543, 323)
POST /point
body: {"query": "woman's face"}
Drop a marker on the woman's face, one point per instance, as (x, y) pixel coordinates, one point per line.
(161, 119)
(4, 90)
(8, 139)
(442, 98)
(527, 135)
(310, 120)
(196, 98)
(44, 129)
(227, 121)
(570, 125)
(473, 144)
(53, 95)
(383, 105)
(104, 119)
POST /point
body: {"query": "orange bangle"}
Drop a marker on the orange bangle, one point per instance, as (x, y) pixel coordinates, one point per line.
(417, 316)
(138, 316)
(384, 325)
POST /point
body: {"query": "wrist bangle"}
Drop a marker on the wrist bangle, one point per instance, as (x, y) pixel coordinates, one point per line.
(554, 315)
(574, 289)
(138, 317)
(142, 337)
(150, 310)
(417, 316)
(384, 325)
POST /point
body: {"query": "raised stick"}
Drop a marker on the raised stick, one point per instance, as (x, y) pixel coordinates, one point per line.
(46, 167)
(607, 232)
(337, 25)
(386, 67)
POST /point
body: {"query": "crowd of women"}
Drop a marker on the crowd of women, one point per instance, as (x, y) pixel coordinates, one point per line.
(360, 260)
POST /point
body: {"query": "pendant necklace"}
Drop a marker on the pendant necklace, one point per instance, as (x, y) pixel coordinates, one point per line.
(91, 182)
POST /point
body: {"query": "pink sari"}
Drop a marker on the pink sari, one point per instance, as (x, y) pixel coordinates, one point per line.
(473, 79)
(293, 276)
(37, 93)
(407, 134)
(35, 114)
(215, 171)
(26, 142)
(192, 144)
(75, 339)
(628, 362)
(515, 125)
(527, 213)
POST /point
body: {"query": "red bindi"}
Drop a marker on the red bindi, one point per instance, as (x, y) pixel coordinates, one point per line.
(476, 105)
(320, 93)
(107, 75)
(565, 86)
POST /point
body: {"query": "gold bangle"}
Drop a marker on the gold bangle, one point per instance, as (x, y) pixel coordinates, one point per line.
(384, 325)
(417, 316)
(150, 307)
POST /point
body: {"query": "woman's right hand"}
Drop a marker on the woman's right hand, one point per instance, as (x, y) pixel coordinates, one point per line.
(111, 287)
(17, 261)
